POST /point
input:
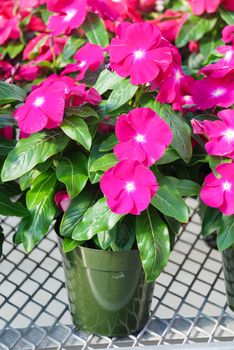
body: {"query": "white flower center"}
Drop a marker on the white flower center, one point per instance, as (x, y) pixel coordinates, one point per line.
(139, 54)
(178, 75)
(218, 92)
(130, 186)
(227, 186)
(228, 55)
(82, 64)
(229, 134)
(39, 101)
(140, 138)
(70, 14)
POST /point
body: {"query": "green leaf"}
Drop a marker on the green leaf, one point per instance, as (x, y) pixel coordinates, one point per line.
(75, 211)
(82, 112)
(14, 48)
(169, 156)
(69, 244)
(94, 155)
(125, 235)
(173, 224)
(10, 92)
(209, 43)
(35, 226)
(169, 202)
(40, 188)
(104, 163)
(194, 29)
(105, 238)
(6, 146)
(1, 240)
(72, 45)
(211, 221)
(95, 30)
(186, 188)
(77, 129)
(153, 241)
(98, 218)
(26, 180)
(72, 171)
(32, 151)
(107, 80)
(9, 208)
(122, 93)
(225, 238)
(227, 16)
(181, 141)
(108, 144)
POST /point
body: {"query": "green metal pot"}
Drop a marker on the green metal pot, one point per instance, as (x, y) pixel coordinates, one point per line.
(228, 269)
(107, 291)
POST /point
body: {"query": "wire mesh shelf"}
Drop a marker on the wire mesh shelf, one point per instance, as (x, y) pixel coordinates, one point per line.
(189, 304)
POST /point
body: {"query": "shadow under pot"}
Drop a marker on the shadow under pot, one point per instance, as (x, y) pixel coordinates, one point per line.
(108, 293)
(228, 269)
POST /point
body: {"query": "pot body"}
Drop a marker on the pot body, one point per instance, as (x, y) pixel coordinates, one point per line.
(228, 269)
(107, 291)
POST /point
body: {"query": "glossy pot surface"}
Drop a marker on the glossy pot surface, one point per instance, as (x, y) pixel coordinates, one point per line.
(228, 270)
(107, 291)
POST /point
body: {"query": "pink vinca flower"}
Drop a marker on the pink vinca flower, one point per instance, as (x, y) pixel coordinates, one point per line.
(128, 186)
(211, 92)
(228, 33)
(139, 52)
(201, 6)
(69, 17)
(90, 56)
(142, 135)
(220, 134)
(229, 5)
(62, 200)
(7, 132)
(223, 66)
(44, 108)
(170, 23)
(219, 192)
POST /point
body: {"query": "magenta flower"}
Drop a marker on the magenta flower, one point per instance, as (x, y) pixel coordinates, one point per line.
(174, 87)
(39, 48)
(228, 33)
(219, 192)
(201, 6)
(220, 134)
(142, 135)
(90, 56)
(7, 132)
(9, 26)
(229, 5)
(170, 23)
(25, 4)
(71, 14)
(44, 108)
(223, 66)
(62, 200)
(139, 52)
(128, 186)
(211, 92)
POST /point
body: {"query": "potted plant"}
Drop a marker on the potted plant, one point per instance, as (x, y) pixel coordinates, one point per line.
(99, 96)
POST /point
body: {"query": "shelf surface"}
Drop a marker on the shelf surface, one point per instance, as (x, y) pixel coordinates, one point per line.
(189, 304)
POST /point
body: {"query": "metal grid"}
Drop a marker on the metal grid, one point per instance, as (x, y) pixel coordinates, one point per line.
(188, 305)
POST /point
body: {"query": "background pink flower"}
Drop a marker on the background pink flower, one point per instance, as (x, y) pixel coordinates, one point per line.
(62, 200)
(7, 132)
(44, 108)
(71, 14)
(220, 134)
(139, 52)
(201, 6)
(211, 92)
(90, 56)
(142, 135)
(128, 186)
(219, 192)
